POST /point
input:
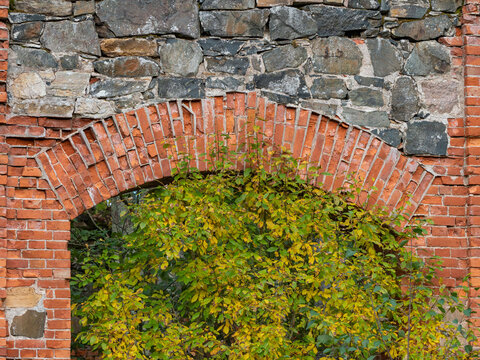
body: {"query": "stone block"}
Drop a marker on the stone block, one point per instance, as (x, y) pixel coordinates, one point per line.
(27, 31)
(127, 66)
(28, 85)
(270, 3)
(364, 4)
(32, 58)
(93, 108)
(50, 7)
(181, 88)
(392, 137)
(378, 119)
(329, 88)
(290, 82)
(180, 57)
(227, 4)
(446, 5)
(84, 7)
(49, 107)
(428, 57)
(247, 23)
(129, 47)
(69, 84)
(118, 87)
(425, 29)
(283, 57)
(220, 47)
(370, 81)
(30, 325)
(409, 9)
(336, 55)
(385, 57)
(440, 96)
(22, 297)
(234, 66)
(426, 138)
(405, 100)
(366, 97)
(291, 23)
(226, 83)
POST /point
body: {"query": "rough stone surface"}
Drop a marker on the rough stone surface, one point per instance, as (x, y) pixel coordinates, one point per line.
(336, 55)
(93, 108)
(129, 66)
(69, 84)
(181, 88)
(18, 18)
(366, 97)
(70, 62)
(409, 9)
(180, 57)
(84, 7)
(28, 85)
(324, 109)
(129, 47)
(227, 4)
(441, 95)
(27, 31)
(33, 58)
(50, 107)
(219, 47)
(226, 83)
(291, 23)
(364, 4)
(290, 82)
(22, 297)
(31, 324)
(118, 87)
(328, 88)
(426, 29)
(446, 5)
(428, 57)
(234, 66)
(46, 7)
(248, 23)
(385, 57)
(284, 57)
(70, 36)
(392, 137)
(405, 101)
(426, 138)
(363, 118)
(333, 20)
(269, 3)
(369, 81)
(143, 17)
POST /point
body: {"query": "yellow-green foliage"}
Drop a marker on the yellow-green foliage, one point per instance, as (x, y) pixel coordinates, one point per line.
(261, 265)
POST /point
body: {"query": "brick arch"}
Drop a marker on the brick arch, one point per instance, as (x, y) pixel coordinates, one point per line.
(126, 151)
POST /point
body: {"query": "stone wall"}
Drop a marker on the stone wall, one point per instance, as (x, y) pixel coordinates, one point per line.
(372, 63)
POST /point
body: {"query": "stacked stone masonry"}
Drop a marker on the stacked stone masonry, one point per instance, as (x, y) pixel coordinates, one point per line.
(94, 88)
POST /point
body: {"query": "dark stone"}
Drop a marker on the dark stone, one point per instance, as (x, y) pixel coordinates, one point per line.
(446, 5)
(426, 29)
(218, 47)
(70, 62)
(181, 88)
(328, 88)
(291, 23)
(364, 4)
(234, 66)
(226, 83)
(336, 55)
(386, 58)
(181, 57)
(279, 98)
(34, 58)
(117, 87)
(377, 119)
(248, 23)
(428, 57)
(392, 137)
(369, 81)
(284, 57)
(31, 324)
(256, 46)
(127, 66)
(409, 9)
(228, 4)
(27, 31)
(405, 101)
(17, 18)
(333, 20)
(143, 17)
(366, 97)
(70, 36)
(426, 138)
(50, 7)
(290, 82)
(321, 108)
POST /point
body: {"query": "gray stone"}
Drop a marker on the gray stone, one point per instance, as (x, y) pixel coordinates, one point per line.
(425, 29)
(386, 58)
(27, 31)
(234, 66)
(70, 36)
(45, 7)
(69, 84)
(143, 17)
(370, 81)
(291, 23)
(426, 138)
(321, 108)
(220, 47)
(428, 57)
(283, 57)
(93, 108)
(128, 102)
(49, 107)
(180, 57)
(129, 47)
(181, 88)
(446, 5)
(70, 62)
(405, 101)
(84, 7)
(328, 88)
(336, 55)
(226, 83)
(256, 46)
(18, 18)
(118, 87)
(441, 95)
(31, 324)
(127, 66)
(34, 58)
(409, 9)
(364, 4)
(28, 85)
(392, 137)
(366, 97)
(334, 20)
(290, 82)
(227, 4)
(279, 98)
(248, 23)
(377, 119)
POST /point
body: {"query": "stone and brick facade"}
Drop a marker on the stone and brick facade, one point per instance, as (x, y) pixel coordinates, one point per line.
(389, 89)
